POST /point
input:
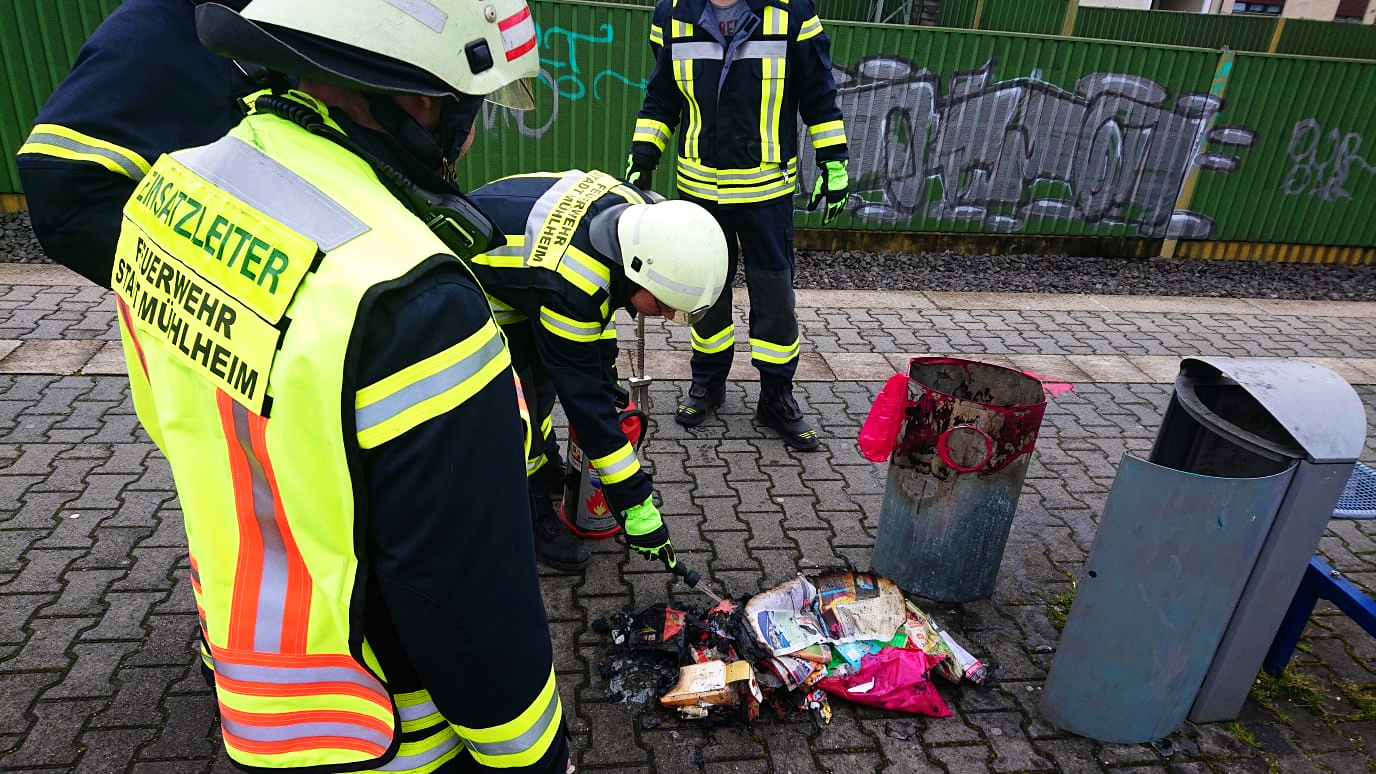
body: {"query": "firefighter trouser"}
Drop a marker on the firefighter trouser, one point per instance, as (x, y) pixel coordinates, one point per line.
(761, 233)
(543, 469)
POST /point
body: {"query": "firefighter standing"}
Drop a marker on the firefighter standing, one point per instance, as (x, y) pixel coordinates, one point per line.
(732, 76)
(143, 85)
(579, 246)
(337, 403)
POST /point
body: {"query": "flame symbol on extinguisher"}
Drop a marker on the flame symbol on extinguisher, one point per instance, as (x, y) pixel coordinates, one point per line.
(597, 504)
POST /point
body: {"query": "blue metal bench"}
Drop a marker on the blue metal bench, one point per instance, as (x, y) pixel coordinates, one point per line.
(1323, 582)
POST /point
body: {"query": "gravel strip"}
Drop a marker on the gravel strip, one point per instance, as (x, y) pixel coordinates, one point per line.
(954, 272)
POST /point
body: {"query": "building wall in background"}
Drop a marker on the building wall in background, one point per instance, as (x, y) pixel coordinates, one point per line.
(1323, 10)
(1136, 5)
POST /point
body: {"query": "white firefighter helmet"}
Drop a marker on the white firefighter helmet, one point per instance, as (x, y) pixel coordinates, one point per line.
(677, 251)
(429, 47)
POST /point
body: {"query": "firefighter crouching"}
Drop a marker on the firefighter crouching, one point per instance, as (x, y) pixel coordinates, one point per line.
(337, 403)
(579, 246)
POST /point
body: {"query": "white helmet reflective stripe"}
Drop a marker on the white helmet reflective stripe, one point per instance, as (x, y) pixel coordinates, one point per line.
(677, 251)
(476, 47)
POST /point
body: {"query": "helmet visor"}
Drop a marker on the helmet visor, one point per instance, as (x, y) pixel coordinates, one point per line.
(517, 95)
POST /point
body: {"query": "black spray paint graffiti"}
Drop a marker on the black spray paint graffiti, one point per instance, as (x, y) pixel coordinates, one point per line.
(1324, 179)
(1110, 153)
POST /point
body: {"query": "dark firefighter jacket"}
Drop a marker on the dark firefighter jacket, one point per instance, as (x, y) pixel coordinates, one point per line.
(568, 304)
(735, 103)
(141, 86)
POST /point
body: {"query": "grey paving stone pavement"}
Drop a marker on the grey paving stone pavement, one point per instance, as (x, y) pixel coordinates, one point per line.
(97, 669)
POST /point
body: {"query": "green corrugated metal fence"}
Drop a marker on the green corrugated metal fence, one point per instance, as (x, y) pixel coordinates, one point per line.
(38, 42)
(959, 14)
(1205, 30)
(1310, 175)
(1319, 38)
(1042, 17)
(951, 130)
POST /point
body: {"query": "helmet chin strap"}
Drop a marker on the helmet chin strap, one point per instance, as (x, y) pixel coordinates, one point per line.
(438, 151)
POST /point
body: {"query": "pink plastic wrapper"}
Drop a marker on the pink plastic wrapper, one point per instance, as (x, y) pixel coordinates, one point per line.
(880, 431)
(893, 678)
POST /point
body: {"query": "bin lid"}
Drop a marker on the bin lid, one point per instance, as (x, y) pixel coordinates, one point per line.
(1317, 407)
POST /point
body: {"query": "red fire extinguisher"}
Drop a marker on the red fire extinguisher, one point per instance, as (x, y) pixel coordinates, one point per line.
(584, 509)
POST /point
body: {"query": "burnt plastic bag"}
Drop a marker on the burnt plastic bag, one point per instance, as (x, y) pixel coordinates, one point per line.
(893, 678)
(880, 431)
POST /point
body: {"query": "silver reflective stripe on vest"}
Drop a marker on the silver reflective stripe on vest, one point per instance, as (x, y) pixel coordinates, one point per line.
(761, 49)
(296, 675)
(429, 387)
(272, 595)
(126, 166)
(696, 50)
(545, 205)
(293, 731)
(421, 759)
(423, 12)
(525, 741)
(269, 187)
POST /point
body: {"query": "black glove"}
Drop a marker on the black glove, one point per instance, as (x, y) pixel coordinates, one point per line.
(639, 172)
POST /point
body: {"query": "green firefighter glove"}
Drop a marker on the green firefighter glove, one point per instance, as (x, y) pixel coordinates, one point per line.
(646, 533)
(832, 184)
(638, 172)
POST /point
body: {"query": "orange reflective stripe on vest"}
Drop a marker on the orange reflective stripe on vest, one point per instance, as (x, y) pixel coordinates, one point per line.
(272, 590)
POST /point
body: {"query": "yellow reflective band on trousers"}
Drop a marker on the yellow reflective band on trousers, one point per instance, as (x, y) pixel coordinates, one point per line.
(768, 352)
(63, 143)
(520, 742)
(425, 390)
(718, 342)
(536, 458)
(617, 466)
(827, 134)
(429, 741)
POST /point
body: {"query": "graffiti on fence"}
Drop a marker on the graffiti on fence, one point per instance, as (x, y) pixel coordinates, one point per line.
(997, 153)
(561, 78)
(1341, 156)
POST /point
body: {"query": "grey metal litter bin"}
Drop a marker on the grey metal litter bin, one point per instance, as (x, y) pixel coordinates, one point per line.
(1201, 547)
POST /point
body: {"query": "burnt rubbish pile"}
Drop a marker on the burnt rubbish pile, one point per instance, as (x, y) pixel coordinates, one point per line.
(791, 649)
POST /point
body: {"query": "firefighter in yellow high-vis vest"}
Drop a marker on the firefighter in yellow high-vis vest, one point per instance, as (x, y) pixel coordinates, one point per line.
(336, 402)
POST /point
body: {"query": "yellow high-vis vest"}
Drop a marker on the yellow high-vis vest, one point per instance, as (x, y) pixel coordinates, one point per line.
(241, 270)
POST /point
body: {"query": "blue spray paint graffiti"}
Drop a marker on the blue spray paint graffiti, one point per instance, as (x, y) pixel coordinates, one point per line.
(562, 78)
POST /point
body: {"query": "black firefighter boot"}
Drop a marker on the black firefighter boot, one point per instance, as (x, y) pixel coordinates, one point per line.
(700, 402)
(555, 546)
(780, 411)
